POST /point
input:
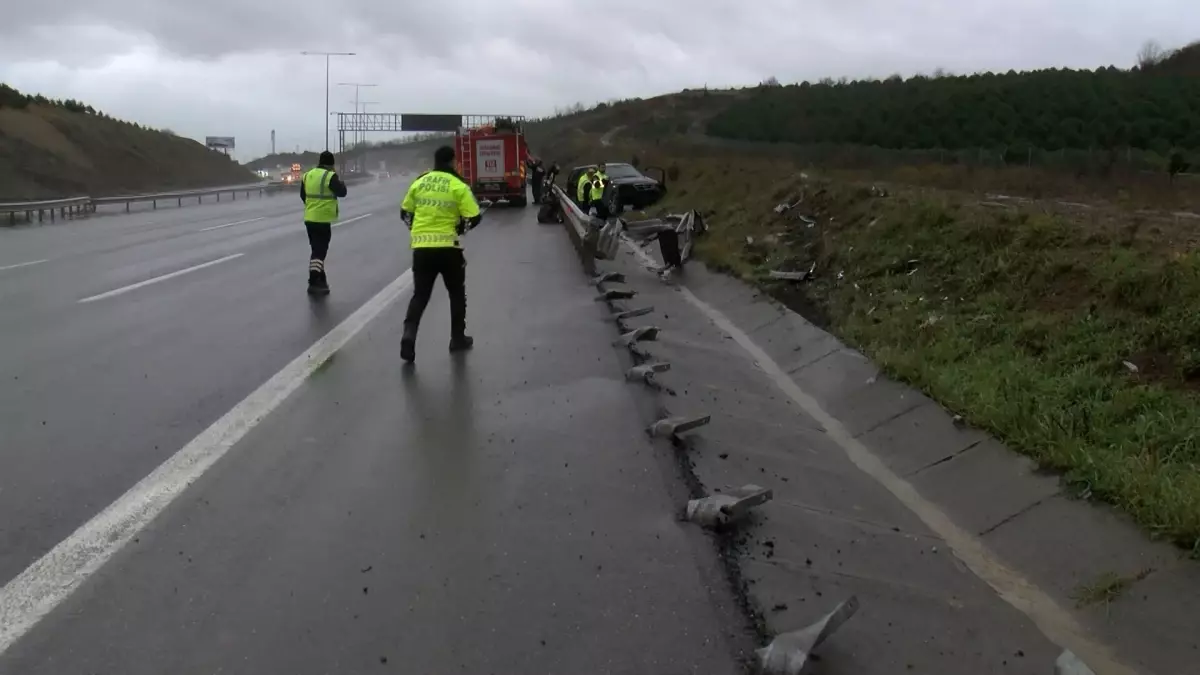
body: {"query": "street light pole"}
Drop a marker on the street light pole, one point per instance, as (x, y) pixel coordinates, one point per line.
(363, 164)
(327, 55)
(359, 132)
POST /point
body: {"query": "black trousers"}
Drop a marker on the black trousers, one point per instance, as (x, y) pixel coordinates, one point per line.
(427, 264)
(319, 235)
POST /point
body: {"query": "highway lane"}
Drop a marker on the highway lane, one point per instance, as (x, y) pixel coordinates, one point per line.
(110, 388)
(498, 511)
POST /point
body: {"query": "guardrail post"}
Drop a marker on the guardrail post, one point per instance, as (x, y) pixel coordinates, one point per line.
(126, 207)
(53, 219)
(218, 196)
(181, 202)
(41, 215)
(154, 204)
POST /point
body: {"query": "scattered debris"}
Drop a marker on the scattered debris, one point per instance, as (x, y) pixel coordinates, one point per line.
(788, 653)
(631, 313)
(810, 222)
(366, 569)
(616, 277)
(1069, 664)
(1130, 366)
(615, 294)
(646, 371)
(789, 276)
(639, 334)
(672, 426)
(719, 510)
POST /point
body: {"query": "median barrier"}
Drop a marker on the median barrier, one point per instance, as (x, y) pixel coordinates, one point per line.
(73, 207)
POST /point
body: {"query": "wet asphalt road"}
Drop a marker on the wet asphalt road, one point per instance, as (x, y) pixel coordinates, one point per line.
(494, 512)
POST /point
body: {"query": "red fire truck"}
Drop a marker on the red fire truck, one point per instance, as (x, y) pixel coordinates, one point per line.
(491, 154)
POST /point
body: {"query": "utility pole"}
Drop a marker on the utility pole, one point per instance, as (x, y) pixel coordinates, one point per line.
(359, 132)
(327, 55)
(272, 141)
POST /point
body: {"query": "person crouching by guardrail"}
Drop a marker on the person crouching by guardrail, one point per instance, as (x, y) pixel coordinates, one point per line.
(320, 188)
(596, 195)
(435, 208)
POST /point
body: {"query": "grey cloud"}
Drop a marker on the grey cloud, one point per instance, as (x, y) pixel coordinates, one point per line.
(229, 66)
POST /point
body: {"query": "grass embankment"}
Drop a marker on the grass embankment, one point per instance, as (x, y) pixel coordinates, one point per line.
(1071, 334)
(48, 150)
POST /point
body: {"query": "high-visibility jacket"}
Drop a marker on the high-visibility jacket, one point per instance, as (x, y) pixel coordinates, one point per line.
(320, 204)
(581, 187)
(438, 200)
(598, 185)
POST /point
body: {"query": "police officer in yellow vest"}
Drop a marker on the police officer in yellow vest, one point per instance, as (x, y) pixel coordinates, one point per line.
(320, 189)
(581, 188)
(435, 208)
(596, 192)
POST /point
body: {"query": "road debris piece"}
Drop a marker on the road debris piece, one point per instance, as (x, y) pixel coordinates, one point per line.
(615, 294)
(1069, 664)
(615, 277)
(719, 510)
(639, 334)
(632, 313)
(788, 652)
(673, 426)
(788, 276)
(646, 371)
(1130, 366)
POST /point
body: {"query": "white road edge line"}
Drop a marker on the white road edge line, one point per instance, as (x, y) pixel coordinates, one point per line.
(155, 280)
(24, 264)
(1055, 622)
(34, 593)
(351, 220)
(240, 222)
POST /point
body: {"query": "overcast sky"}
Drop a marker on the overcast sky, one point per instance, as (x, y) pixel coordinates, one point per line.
(233, 67)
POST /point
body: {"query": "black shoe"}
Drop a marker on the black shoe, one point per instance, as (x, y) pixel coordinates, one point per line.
(318, 289)
(461, 343)
(408, 345)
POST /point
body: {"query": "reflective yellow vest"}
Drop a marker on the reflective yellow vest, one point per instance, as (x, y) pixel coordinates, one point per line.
(320, 204)
(581, 187)
(598, 184)
(437, 201)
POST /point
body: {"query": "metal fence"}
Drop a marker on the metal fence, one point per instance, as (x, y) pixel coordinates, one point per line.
(74, 207)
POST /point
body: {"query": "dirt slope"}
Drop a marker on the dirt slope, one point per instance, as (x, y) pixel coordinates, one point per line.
(49, 151)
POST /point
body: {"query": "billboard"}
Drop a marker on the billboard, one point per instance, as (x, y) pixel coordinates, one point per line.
(410, 122)
(218, 142)
(489, 159)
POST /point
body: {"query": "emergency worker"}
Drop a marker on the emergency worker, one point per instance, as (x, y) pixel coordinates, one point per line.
(596, 192)
(581, 188)
(438, 208)
(320, 189)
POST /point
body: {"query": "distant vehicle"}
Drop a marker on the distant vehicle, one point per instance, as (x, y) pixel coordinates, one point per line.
(295, 175)
(491, 159)
(629, 188)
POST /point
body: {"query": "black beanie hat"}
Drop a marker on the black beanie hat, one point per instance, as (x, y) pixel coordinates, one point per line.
(443, 156)
(326, 159)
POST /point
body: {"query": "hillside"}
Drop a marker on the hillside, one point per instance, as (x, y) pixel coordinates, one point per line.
(65, 148)
(1062, 322)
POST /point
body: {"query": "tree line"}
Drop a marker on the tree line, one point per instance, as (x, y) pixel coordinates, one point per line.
(12, 98)
(1155, 106)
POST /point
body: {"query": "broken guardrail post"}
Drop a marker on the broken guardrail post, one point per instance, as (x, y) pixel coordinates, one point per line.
(788, 652)
(646, 371)
(673, 426)
(631, 313)
(721, 509)
(1069, 664)
(615, 294)
(605, 277)
(639, 334)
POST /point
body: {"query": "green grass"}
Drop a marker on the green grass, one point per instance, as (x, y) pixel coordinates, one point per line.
(1106, 589)
(1022, 321)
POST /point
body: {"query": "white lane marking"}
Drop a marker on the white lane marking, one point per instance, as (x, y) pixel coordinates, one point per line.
(34, 593)
(1056, 623)
(155, 280)
(240, 222)
(24, 264)
(351, 220)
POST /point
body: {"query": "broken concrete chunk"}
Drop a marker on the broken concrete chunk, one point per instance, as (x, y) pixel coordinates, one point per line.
(646, 371)
(638, 334)
(1130, 366)
(788, 652)
(719, 510)
(671, 426)
(631, 313)
(615, 294)
(616, 277)
(1069, 664)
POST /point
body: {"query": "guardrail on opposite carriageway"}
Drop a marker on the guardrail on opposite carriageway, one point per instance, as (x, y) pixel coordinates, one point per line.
(73, 207)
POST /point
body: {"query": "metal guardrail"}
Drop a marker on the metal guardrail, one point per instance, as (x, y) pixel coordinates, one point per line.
(81, 206)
